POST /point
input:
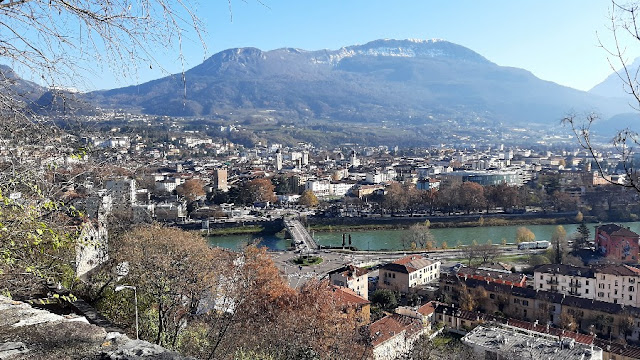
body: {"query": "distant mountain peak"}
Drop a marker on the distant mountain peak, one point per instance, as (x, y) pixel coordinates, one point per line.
(381, 80)
(419, 48)
(409, 48)
(613, 85)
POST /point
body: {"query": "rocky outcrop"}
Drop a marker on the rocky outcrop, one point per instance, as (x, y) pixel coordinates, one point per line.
(30, 333)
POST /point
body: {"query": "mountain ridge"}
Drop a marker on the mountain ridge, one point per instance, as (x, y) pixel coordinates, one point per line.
(613, 86)
(382, 79)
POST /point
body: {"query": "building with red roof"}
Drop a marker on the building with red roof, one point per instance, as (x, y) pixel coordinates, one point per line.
(353, 277)
(394, 335)
(348, 300)
(617, 243)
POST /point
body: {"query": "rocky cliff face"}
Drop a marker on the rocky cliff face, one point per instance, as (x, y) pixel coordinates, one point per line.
(30, 333)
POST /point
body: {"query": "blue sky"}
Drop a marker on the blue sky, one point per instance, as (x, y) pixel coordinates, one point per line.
(556, 40)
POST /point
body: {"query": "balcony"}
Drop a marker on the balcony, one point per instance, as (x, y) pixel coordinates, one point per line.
(574, 292)
(575, 285)
(552, 282)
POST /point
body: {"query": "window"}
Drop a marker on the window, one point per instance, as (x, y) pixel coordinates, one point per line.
(586, 291)
(492, 296)
(586, 282)
(616, 283)
(632, 281)
(630, 297)
(540, 286)
(630, 288)
(525, 303)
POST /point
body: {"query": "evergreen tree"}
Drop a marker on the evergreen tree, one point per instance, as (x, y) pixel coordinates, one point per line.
(582, 240)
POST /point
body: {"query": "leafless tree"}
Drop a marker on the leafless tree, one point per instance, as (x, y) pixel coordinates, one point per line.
(487, 252)
(623, 24)
(53, 38)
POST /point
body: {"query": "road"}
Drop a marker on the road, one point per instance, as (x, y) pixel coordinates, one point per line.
(301, 238)
(298, 275)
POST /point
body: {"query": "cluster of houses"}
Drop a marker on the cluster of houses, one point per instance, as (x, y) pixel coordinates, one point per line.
(563, 311)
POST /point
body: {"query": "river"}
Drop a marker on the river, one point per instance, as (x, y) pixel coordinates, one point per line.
(391, 239)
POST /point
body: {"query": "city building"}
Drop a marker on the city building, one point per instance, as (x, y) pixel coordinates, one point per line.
(278, 163)
(352, 277)
(489, 177)
(498, 276)
(394, 335)
(617, 243)
(607, 319)
(565, 279)
(612, 283)
(220, 180)
(123, 194)
(349, 301)
(407, 273)
(500, 341)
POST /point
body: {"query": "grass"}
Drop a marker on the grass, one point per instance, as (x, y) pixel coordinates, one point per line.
(249, 229)
(340, 228)
(442, 340)
(522, 259)
(307, 260)
(489, 221)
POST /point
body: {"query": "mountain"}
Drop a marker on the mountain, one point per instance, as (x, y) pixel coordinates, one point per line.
(412, 81)
(18, 88)
(613, 86)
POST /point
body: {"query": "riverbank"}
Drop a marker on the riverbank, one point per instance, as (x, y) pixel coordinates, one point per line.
(244, 228)
(248, 229)
(465, 221)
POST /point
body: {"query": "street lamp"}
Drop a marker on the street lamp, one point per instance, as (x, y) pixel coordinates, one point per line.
(135, 301)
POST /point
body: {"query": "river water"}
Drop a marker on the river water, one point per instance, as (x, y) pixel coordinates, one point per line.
(391, 239)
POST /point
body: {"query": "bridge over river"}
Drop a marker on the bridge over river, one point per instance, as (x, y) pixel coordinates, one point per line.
(302, 240)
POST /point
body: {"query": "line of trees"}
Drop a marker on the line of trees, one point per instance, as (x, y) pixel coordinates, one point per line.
(470, 197)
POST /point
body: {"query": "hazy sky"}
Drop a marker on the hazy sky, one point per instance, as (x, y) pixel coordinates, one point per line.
(556, 40)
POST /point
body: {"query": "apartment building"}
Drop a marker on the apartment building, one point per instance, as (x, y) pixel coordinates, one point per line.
(408, 272)
(616, 284)
(617, 243)
(352, 277)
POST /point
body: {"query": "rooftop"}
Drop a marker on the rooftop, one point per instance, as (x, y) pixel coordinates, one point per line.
(347, 296)
(561, 269)
(614, 229)
(498, 275)
(408, 264)
(349, 271)
(392, 325)
(523, 344)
